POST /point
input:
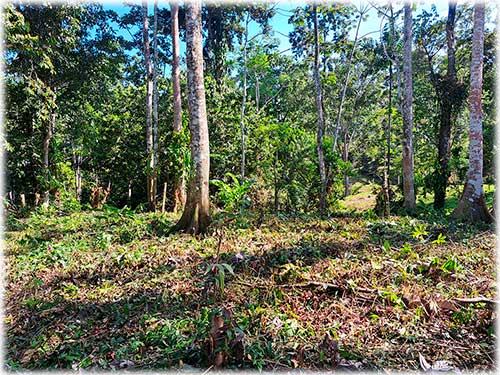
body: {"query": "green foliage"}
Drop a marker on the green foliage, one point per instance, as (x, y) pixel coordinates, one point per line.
(233, 195)
(420, 231)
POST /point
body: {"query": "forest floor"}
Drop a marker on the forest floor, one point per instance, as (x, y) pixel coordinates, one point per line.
(109, 289)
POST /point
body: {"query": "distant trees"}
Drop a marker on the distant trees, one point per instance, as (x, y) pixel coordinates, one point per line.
(472, 205)
(302, 128)
(196, 215)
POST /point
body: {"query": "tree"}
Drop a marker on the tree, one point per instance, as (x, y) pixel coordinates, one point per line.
(408, 180)
(155, 104)
(321, 120)
(472, 205)
(196, 216)
(150, 167)
(179, 181)
(449, 91)
(361, 12)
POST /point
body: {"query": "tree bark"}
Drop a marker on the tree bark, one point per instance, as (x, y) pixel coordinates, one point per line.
(46, 150)
(179, 181)
(196, 216)
(321, 121)
(446, 91)
(346, 82)
(472, 206)
(345, 158)
(155, 99)
(243, 100)
(408, 158)
(150, 179)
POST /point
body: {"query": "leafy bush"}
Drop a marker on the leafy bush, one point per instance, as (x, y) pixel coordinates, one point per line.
(233, 195)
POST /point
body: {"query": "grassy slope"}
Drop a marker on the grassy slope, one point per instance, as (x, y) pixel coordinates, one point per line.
(96, 289)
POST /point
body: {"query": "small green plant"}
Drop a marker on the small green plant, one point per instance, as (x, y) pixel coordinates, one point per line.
(419, 231)
(218, 270)
(392, 298)
(233, 195)
(405, 251)
(439, 240)
(450, 265)
(387, 246)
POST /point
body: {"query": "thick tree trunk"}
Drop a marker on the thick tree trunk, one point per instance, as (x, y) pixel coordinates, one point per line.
(408, 180)
(472, 205)
(321, 121)
(179, 181)
(196, 215)
(150, 178)
(447, 91)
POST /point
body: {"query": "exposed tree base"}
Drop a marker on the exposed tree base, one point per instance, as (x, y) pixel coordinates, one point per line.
(472, 210)
(192, 221)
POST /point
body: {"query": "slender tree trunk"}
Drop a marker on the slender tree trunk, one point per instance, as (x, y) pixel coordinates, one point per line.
(155, 101)
(447, 99)
(243, 100)
(257, 92)
(472, 205)
(345, 158)
(196, 215)
(321, 121)
(77, 162)
(46, 149)
(150, 180)
(346, 82)
(387, 172)
(276, 187)
(179, 181)
(408, 180)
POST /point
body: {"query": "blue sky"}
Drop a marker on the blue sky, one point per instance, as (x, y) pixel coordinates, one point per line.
(284, 9)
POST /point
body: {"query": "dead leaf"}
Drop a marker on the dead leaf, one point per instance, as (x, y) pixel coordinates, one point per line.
(423, 363)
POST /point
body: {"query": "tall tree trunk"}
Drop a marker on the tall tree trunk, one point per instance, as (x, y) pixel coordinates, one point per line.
(447, 93)
(346, 82)
(46, 149)
(408, 180)
(150, 179)
(155, 99)
(179, 181)
(472, 205)
(257, 93)
(196, 215)
(243, 100)
(77, 163)
(345, 158)
(321, 121)
(387, 172)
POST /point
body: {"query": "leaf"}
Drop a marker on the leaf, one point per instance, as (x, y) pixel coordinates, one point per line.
(387, 245)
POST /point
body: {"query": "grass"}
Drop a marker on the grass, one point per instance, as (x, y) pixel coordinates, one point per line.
(107, 289)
